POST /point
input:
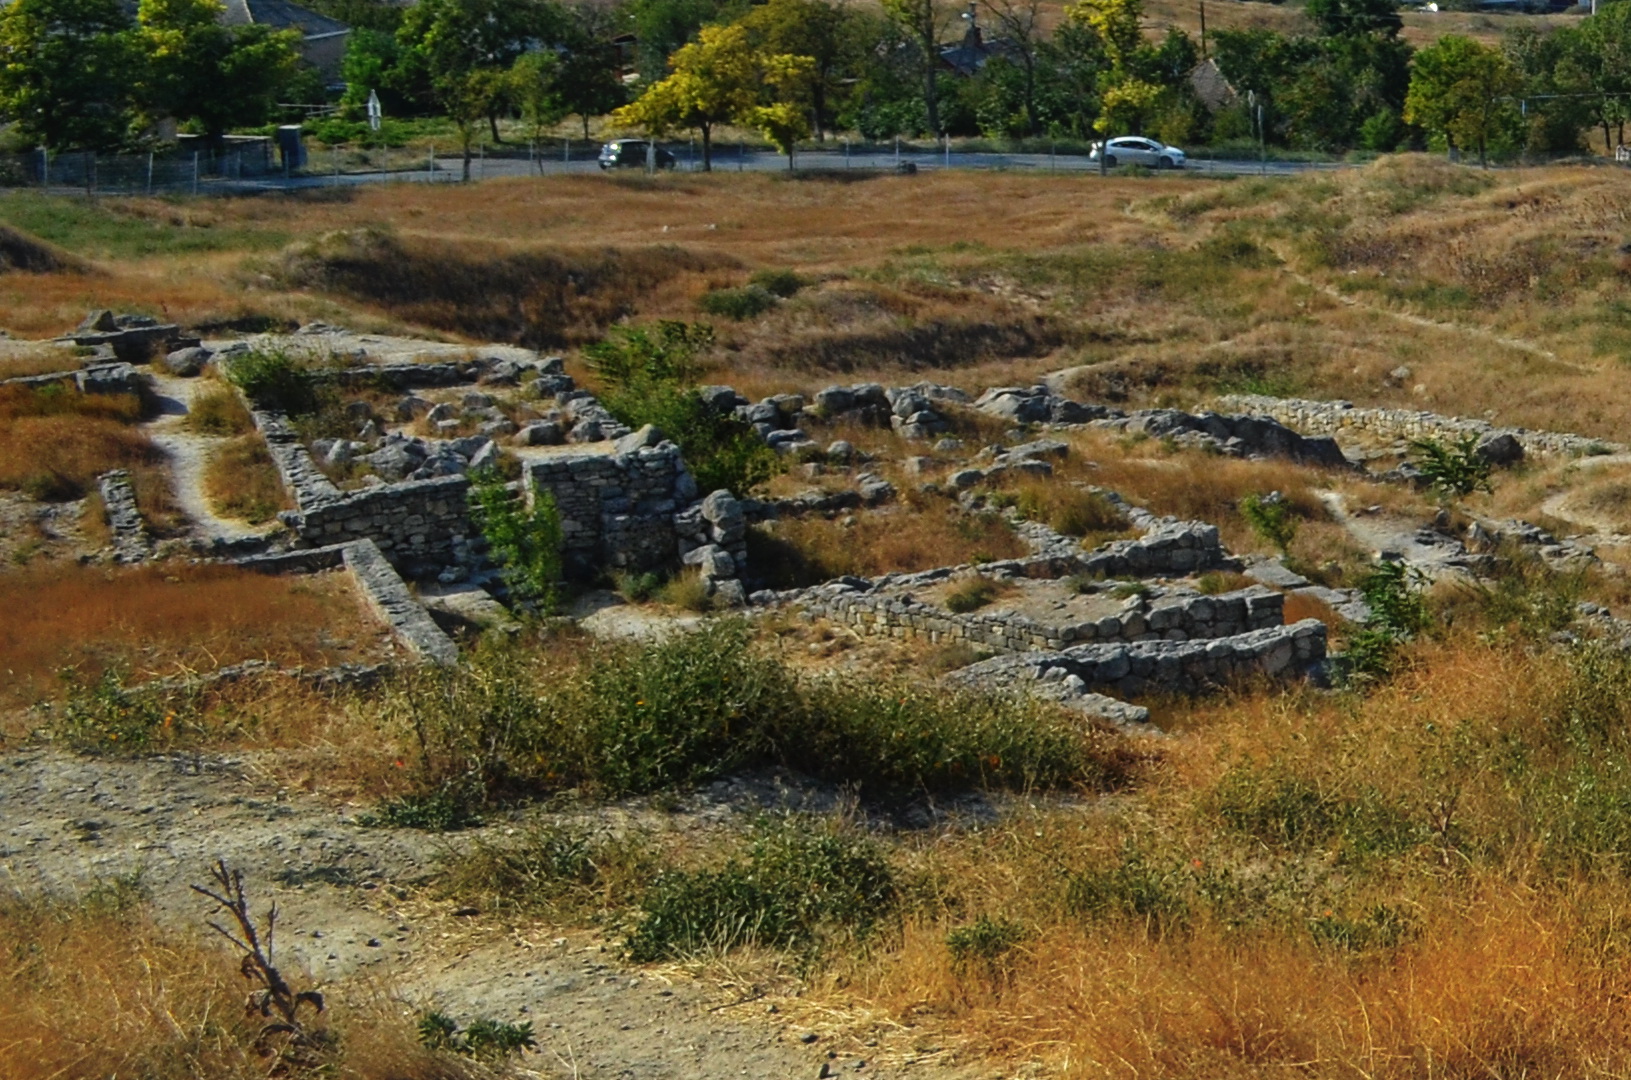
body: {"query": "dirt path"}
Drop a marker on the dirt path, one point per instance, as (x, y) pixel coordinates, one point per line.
(348, 906)
(1435, 555)
(188, 453)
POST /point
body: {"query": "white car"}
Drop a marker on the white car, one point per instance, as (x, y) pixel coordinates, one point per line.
(1137, 150)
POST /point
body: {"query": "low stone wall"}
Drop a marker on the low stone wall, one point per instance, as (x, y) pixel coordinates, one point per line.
(388, 595)
(131, 542)
(418, 523)
(1343, 418)
(381, 586)
(302, 479)
(1184, 667)
(1172, 619)
(616, 510)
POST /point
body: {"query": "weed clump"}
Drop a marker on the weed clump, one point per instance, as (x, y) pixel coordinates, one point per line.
(738, 305)
(1452, 468)
(275, 379)
(1271, 518)
(641, 719)
(650, 375)
(798, 885)
(526, 543)
(971, 595)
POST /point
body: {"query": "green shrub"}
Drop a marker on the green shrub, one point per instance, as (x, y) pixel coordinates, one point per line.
(747, 302)
(636, 587)
(1132, 889)
(972, 595)
(1271, 518)
(649, 375)
(551, 868)
(1453, 469)
(447, 808)
(782, 283)
(104, 715)
(526, 544)
(664, 715)
(985, 946)
(486, 1039)
(1398, 611)
(276, 380)
(1382, 927)
(800, 884)
(1284, 810)
(896, 740)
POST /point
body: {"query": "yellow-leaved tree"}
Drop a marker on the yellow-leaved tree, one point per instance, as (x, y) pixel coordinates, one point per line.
(718, 79)
(1126, 101)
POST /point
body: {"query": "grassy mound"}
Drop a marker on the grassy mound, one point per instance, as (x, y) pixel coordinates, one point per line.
(31, 255)
(536, 298)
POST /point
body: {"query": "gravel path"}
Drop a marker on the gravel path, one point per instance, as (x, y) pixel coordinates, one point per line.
(348, 906)
(188, 453)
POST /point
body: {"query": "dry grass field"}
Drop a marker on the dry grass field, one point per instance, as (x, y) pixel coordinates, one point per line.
(1420, 874)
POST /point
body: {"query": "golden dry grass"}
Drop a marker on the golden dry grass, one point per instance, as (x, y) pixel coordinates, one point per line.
(217, 410)
(99, 989)
(241, 481)
(53, 444)
(164, 619)
(809, 549)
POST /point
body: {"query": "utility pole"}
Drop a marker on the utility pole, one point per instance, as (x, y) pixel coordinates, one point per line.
(1203, 28)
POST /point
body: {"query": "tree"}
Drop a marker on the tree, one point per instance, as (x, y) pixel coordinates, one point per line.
(1020, 24)
(66, 72)
(1339, 18)
(785, 121)
(588, 84)
(662, 27)
(1461, 90)
(459, 52)
(201, 70)
(535, 88)
(1128, 95)
(924, 22)
(716, 79)
(817, 29)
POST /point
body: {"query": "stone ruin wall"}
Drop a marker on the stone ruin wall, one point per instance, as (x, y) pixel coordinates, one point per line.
(1177, 619)
(1344, 418)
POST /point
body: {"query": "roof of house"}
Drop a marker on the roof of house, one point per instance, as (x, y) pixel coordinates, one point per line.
(281, 15)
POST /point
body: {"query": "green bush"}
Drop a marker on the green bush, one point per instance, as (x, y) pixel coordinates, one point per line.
(1453, 469)
(1284, 810)
(985, 946)
(782, 283)
(747, 302)
(649, 375)
(1271, 518)
(664, 715)
(1131, 889)
(526, 544)
(636, 587)
(1381, 927)
(799, 884)
(971, 595)
(447, 808)
(486, 1039)
(1392, 591)
(274, 379)
(104, 715)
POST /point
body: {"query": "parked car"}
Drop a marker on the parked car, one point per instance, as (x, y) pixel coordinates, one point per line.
(1136, 150)
(631, 154)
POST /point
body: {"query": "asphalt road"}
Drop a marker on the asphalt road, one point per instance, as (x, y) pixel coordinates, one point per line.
(449, 169)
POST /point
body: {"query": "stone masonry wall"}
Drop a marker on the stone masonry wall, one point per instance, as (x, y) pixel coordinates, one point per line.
(1185, 667)
(616, 510)
(1171, 619)
(415, 523)
(1342, 417)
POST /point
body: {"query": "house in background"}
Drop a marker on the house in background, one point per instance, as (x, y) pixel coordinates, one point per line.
(322, 39)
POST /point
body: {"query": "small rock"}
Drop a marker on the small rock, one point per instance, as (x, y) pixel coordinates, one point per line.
(187, 363)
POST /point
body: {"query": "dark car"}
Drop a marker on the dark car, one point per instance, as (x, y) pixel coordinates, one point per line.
(631, 154)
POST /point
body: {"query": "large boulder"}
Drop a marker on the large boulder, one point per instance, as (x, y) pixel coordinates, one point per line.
(187, 362)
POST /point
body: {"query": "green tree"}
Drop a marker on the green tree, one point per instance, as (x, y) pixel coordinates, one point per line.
(924, 23)
(67, 68)
(820, 30)
(1461, 90)
(218, 76)
(1341, 18)
(588, 84)
(535, 88)
(719, 78)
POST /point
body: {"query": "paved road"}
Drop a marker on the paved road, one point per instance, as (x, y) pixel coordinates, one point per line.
(449, 169)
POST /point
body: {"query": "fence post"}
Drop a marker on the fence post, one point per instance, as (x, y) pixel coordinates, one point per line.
(566, 152)
(846, 151)
(195, 172)
(430, 166)
(897, 150)
(45, 169)
(481, 161)
(150, 172)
